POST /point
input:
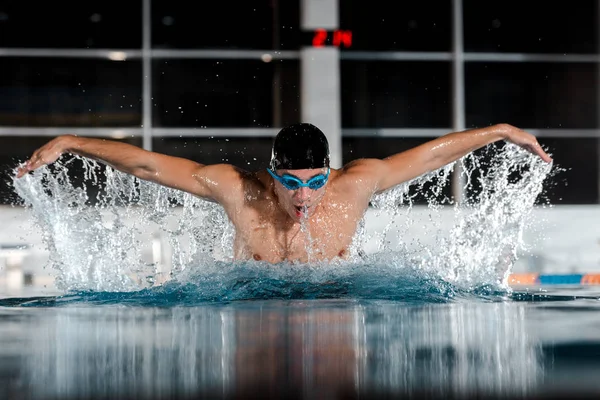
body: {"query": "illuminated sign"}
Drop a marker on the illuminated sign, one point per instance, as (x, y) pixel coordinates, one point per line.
(336, 38)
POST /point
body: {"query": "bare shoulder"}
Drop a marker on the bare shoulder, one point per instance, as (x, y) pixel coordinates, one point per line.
(224, 183)
(225, 175)
(361, 165)
(358, 175)
(359, 170)
(247, 185)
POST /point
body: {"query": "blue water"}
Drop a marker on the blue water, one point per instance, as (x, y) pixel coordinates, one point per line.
(414, 320)
(258, 334)
(258, 282)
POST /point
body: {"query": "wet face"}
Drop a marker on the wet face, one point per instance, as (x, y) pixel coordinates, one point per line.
(302, 202)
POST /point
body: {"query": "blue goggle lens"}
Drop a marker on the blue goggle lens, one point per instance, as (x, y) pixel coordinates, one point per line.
(317, 182)
(292, 183)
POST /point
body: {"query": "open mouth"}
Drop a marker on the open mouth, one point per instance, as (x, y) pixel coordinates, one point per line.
(301, 210)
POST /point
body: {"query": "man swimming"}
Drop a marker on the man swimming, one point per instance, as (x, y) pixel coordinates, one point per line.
(298, 209)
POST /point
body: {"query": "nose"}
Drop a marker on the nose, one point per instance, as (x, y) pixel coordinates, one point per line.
(303, 194)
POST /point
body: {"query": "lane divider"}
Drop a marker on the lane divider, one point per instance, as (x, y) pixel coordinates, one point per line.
(522, 279)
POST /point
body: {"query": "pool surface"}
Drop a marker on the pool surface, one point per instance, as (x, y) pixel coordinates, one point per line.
(422, 314)
(541, 342)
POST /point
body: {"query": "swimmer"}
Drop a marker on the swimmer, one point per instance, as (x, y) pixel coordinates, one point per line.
(299, 206)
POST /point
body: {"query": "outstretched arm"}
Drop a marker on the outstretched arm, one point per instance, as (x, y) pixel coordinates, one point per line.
(436, 153)
(213, 182)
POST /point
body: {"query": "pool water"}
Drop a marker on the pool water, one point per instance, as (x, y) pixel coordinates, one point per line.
(423, 314)
(526, 343)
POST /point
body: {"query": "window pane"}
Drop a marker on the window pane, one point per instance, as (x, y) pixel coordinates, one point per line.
(229, 93)
(68, 24)
(388, 94)
(70, 92)
(531, 95)
(576, 185)
(239, 24)
(16, 149)
(354, 148)
(398, 25)
(579, 183)
(251, 154)
(535, 26)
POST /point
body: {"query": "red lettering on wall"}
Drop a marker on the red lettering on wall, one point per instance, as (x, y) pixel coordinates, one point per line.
(342, 38)
(337, 38)
(319, 38)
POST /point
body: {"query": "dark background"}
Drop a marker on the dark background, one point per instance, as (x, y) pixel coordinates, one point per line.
(188, 92)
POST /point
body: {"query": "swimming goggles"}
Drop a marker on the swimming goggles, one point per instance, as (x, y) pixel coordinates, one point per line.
(290, 182)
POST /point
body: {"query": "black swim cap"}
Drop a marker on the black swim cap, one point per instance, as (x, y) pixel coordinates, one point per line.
(300, 146)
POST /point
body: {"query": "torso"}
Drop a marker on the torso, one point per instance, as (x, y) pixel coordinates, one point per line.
(264, 232)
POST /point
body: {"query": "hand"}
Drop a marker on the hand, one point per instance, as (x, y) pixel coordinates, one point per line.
(527, 141)
(47, 154)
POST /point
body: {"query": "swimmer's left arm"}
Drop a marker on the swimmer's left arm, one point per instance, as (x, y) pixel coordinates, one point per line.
(410, 164)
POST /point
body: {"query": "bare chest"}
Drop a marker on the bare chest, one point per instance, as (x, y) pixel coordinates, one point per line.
(324, 236)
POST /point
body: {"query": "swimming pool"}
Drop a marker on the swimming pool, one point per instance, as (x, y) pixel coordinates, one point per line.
(426, 313)
(530, 343)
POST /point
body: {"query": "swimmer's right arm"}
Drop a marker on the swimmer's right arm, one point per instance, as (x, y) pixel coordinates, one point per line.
(212, 182)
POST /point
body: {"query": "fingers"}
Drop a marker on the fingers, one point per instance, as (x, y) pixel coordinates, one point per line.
(528, 142)
(537, 149)
(28, 166)
(21, 171)
(544, 156)
(36, 161)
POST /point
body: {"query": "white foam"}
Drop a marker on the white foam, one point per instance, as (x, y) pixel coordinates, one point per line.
(99, 246)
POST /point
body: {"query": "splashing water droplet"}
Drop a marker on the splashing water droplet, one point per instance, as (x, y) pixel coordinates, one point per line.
(102, 243)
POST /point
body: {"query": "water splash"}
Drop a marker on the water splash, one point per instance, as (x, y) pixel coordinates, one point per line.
(487, 236)
(102, 244)
(223, 282)
(483, 240)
